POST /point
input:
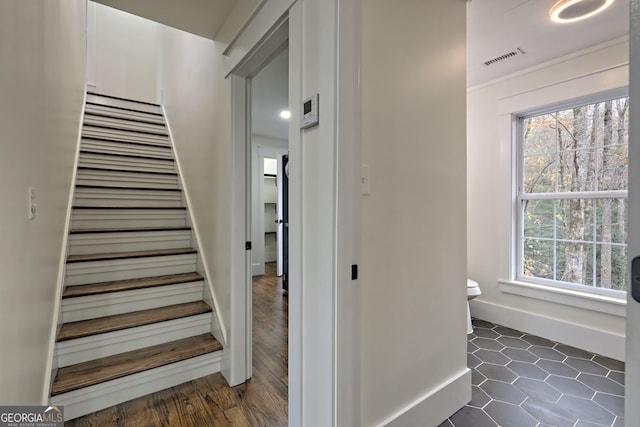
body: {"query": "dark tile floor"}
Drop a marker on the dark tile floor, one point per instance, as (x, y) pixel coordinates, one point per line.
(521, 380)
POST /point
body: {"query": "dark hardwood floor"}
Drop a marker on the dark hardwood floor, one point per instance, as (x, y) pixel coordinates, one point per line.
(209, 401)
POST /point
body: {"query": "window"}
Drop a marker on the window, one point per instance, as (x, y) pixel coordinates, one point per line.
(572, 196)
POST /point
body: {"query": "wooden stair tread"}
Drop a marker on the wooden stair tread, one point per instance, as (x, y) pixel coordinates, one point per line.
(119, 98)
(126, 230)
(184, 208)
(131, 254)
(125, 118)
(92, 168)
(121, 187)
(129, 285)
(117, 107)
(133, 156)
(97, 371)
(123, 129)
(120, 141)
(118, 322)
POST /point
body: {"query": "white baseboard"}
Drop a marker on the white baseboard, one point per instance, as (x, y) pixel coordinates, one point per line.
(91, 399)
(436, 405)
(606, 343)
(257, 269)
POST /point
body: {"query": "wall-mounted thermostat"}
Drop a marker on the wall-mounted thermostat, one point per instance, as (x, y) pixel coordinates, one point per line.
(309, 112)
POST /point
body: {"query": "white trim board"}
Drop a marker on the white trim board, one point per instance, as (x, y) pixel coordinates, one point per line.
(56, 321)
(572, 298)
(436, 405)
(598, 341)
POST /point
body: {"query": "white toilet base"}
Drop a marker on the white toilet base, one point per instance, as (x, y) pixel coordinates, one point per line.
(469, 324)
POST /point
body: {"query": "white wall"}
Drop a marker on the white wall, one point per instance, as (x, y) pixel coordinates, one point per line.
(413, 223)
(196, 99)
(489, 156)
(123, 58)
(42, 64)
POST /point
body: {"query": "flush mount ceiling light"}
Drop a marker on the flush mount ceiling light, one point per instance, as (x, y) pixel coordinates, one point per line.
(285, 114)
(574, 10)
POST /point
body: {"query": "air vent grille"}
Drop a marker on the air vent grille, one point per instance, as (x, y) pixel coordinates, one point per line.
(504, 57)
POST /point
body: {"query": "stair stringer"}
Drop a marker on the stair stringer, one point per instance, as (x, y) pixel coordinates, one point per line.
(56, 321)
(218, 329)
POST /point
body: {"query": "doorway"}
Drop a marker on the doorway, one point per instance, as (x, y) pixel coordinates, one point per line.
(269, 143)
(268, 146)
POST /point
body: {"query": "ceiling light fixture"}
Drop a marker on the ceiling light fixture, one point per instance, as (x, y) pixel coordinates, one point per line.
(285, 114)
(565, 11)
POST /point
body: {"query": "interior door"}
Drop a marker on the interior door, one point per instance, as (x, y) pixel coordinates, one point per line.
(632, 392)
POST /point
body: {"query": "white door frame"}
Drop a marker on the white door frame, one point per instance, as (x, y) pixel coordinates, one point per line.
(237, 364)
(324, 385)
(632, 367)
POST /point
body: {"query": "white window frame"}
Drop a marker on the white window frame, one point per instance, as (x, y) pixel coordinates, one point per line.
(542, 284)
(612, 82)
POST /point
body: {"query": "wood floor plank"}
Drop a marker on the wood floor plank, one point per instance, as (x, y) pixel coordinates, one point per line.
(109, 368)
(101, 325)
(256, 403)
(129, 285)
(133, 254)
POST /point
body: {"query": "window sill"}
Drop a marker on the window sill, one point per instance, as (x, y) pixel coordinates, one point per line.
(573, 298)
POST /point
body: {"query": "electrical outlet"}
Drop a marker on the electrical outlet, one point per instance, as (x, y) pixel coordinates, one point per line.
(33, 207)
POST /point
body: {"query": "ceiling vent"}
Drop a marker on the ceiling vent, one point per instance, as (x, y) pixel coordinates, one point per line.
(504, 57)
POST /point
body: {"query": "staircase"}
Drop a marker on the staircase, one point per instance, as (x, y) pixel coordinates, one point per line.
(136, 314)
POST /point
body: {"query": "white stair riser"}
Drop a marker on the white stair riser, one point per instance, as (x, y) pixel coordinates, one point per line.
(79, 273)
(92, 306)
(114, 147)
(119, 218)
(124, 178)
(110, 161)
(127, 197)
(103, 100)
(124, 124)
(94, 347)
(91, 399)
(83, 244)
(116, 112)
(121, 135)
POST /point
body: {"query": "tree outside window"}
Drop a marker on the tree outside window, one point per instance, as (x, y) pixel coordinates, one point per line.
(572, 195)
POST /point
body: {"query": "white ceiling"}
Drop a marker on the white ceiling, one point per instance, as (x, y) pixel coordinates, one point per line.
(495, 27)
(269, 96)
(200, 17)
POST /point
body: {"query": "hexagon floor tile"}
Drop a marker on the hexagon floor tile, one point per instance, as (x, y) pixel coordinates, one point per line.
(521, 380)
